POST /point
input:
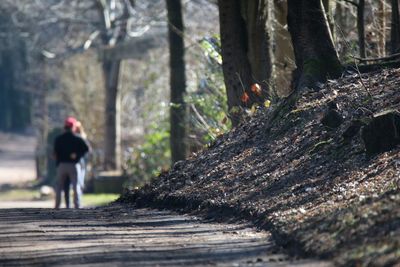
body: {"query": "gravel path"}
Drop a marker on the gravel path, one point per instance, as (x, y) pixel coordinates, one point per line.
(122, 236)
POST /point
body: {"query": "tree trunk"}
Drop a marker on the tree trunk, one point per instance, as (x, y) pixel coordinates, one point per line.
(6, 90)
(328, 11)
(381, 28)
(340, 19)
(255, 14)
(360, 27)
(111, 34)
(315, 54)
(395, 28)
(245, 52)
(112, 131)
(177, 81)
(283, 49)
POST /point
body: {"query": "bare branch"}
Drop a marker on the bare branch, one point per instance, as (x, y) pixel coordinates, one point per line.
(390, 57)
(351, 2)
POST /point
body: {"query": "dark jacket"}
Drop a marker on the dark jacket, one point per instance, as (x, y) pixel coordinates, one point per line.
(69, 148)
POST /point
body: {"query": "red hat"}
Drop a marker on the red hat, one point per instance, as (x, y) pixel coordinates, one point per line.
(70, 122)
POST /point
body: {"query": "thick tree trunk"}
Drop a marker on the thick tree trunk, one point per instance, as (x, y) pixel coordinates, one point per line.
(177, 81)
(360, 27)
(395, 28)
(112, 131)
(245, 52)
(255, 14)
(315, 54)
(283, 49)
(111, 68)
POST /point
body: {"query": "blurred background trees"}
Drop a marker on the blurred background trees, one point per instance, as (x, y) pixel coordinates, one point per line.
(107, 63)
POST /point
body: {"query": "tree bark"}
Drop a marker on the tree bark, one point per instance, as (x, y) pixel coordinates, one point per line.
(382, 28)
(395, 28)
(177, 81)
(112, 131)
(340, 18)
(245, 52)
(361, 27)
(283, 49)
(255, 14)
(111, 33)
(315, 55)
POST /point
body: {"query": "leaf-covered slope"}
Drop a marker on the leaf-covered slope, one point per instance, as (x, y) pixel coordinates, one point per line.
(316, 190)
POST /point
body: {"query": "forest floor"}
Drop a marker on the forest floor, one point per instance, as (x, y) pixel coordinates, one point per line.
(313, 187)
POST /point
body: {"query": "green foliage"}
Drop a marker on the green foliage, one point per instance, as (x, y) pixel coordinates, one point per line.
(207, 115)
(151, 157)
(212, 49)
(208, 103)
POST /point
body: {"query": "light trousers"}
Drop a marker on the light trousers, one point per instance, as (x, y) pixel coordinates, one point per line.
(65, 171)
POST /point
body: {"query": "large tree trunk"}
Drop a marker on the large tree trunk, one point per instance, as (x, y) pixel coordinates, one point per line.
(112, 33)
(284, 56)
(255, 14)
(395, 28)
(360, 27)
(315, 54)
(177, 81)
(245, 52)
(112, 131)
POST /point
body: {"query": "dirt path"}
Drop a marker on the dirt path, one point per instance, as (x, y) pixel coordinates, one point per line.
(121, 236)
(116, 235)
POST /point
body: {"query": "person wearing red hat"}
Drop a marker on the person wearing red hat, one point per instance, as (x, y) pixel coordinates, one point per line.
(68, 150)
(81, 165)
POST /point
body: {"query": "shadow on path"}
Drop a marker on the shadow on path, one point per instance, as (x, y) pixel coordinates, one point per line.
(121, 236)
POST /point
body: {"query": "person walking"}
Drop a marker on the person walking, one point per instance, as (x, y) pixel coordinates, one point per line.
(81, 165)
(82, 162)
(68, 150)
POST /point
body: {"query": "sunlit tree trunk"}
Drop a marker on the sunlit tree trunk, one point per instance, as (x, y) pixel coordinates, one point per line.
(110, 35)
(381, 28)
(245, 52)
(177, 81)
(316, 57)
(395, 28)
(112, 131)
